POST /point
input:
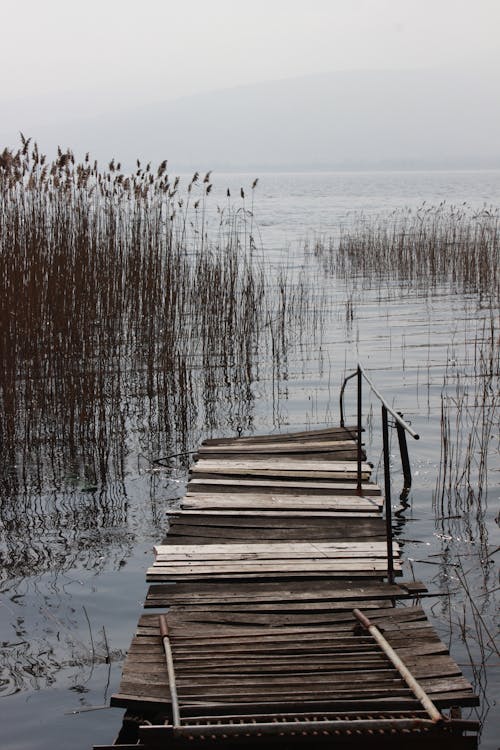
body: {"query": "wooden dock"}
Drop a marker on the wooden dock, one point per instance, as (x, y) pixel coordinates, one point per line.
(254, 640)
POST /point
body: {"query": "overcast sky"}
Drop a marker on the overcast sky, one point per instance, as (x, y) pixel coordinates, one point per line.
(67, 67)
(119, 51)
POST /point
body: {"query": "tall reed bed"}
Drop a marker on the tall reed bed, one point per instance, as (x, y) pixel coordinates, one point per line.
(422, 248)
(127, 318)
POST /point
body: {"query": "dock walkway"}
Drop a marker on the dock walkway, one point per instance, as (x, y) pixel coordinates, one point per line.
(253, 640)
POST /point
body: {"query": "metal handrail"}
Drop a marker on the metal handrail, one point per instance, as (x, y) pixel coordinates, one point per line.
(402, 427)
(396, 415)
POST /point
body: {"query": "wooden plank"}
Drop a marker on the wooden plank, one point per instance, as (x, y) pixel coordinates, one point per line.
(279, 563)
(190, 611)
(183, 535)
(280, 468)
(273, 515)
(189, 635)
(271, 551)
(211, 465)
(337, 589)
(384, 616)
(343, 433)
(275, 486)
(204, 594)
(219, 502)
(273, 446)
(287, 447)
(421, 665)
(330, 529)
(276, 519)
(364, 569)
(325, 457)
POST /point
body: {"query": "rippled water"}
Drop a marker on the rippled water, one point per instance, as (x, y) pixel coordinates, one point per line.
(75, 545)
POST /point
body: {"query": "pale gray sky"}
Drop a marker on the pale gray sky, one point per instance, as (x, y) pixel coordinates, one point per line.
(129, 51)
(68, 68)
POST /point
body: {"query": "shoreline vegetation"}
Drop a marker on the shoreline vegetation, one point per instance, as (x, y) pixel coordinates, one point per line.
(101, 271)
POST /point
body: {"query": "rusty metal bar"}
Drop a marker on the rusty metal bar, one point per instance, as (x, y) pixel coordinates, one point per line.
(161, 732)
(176, 718)
(208, 731)
(417, 690)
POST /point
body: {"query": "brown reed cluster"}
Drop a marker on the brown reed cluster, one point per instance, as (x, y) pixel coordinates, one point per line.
(123, 310)
(423, 248)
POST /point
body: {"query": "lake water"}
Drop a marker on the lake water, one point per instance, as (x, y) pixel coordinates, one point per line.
(75, 547)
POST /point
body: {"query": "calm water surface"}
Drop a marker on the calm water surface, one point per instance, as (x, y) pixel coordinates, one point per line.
(75, 547)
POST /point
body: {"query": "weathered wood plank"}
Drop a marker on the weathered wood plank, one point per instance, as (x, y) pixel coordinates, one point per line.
(271, 551)
(329, 433)
(273, 519)
(384, 616)
(324, 457)
(183, 536)
(287, 448)
(277, 486)
(290, 567)
(320, 591)
(211, 465)
(360, 504)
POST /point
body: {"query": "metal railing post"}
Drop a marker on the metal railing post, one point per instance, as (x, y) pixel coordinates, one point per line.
(387, 490)
(360, 427)
(341, 398)
(403, 451)
(402, 428)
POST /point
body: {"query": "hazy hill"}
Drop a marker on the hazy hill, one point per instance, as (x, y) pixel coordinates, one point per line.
(345, 119)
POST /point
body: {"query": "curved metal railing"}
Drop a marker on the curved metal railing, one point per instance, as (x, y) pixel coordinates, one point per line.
(402, 428)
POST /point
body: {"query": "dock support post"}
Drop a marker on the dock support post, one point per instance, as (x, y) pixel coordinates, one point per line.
(360, 427)
(387, 490)
(403, 450)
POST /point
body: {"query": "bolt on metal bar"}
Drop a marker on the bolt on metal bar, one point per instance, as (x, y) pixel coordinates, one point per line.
(403, 670)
